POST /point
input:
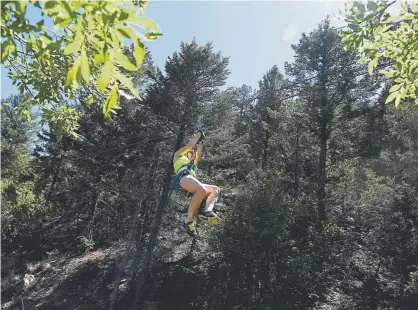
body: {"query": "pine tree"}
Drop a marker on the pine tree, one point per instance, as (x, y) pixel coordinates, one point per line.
(269, 98)
(323, 75)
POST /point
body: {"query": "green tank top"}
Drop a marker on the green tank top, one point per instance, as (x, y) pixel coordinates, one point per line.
(183, 160)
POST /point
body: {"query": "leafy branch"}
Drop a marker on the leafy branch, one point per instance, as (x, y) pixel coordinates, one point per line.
(393, 38)
(88, 57)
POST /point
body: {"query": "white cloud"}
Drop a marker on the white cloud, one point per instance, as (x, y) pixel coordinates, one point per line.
(290, 32)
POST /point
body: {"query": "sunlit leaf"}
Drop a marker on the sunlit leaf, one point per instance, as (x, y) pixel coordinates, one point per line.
(94, 30)
(399, 80)
(124, 61)
(393, 19)
(144, 22)
(85, 69)
(360, 7)
(372, 6)
(129, 33)
(403, 91)
(98, 58)
(391, 97)
(36, 3)
(67, 7)
(152, 35)
(105, 75)
(395, 88)
(129, 84)
(370, 67)
(62, 22)
(49, 4)
(139, 52)
(413, 67)
(414, 7)
(398, 100)
(111, 101)
(75, 45)
(72, 73)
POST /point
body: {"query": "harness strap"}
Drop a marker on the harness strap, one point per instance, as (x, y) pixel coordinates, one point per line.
(182, 172)
(186, 165)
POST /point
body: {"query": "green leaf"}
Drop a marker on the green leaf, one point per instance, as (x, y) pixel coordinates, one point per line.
(28, 115)
(98, 58)
(67, 7)
(77, 4)
(85, 69)
(382, 29)
(392, 73)
(128, 83)
(78, 76)
(21, 7)
(128, 33)
(105, 75)
(362, 60)
(72, 73)
(62, 22)
(393, 19)
(360, 7)
(5, 51)
(36, 3)
(89, 99)
(123, 15)
(412, 67)
(372, 6)
(370, 67)
(404, 8)
(117, 37)
(111, 101)
(50, 4)
(408, 16)
(144, 22)
(124, 61)
(403, 91)
(75, 45)
(398, 100)
(414, 7)
(40, 24)
(395, 88)
(391, 97)
(139, 52)
(153, 35)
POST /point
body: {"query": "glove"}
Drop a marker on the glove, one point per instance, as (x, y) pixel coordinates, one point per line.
(202, 136)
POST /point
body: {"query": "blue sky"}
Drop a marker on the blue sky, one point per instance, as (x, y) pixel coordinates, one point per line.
(255, 34)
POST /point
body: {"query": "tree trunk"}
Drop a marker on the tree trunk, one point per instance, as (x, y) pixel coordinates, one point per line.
(158, 219)
(54, 179)
(322, 170)
(145, 209)
(265, 158)
(296, 171)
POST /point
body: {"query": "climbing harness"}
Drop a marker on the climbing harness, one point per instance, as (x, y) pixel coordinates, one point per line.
(182, 172)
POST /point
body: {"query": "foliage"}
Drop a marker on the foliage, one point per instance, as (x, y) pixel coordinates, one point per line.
(21, 204)
(377, 35)
(334, 148)
(86, 53)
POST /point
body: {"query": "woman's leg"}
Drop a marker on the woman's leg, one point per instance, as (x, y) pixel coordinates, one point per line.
(213, 193)
(191, 184)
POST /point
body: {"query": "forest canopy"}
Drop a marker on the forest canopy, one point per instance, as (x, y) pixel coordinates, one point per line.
(317, 168)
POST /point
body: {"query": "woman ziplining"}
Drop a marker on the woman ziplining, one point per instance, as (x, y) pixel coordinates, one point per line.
(185, 161)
